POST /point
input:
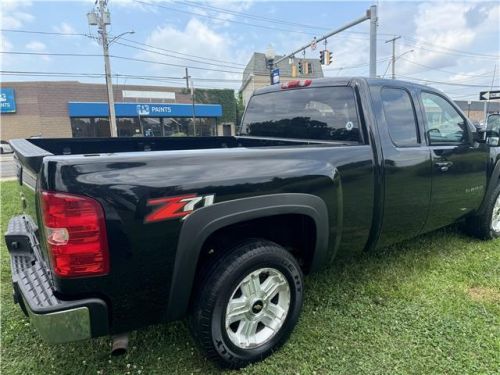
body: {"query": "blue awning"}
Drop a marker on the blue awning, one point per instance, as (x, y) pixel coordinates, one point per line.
(100, 109)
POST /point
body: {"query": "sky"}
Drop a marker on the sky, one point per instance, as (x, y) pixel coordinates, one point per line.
(451, 45)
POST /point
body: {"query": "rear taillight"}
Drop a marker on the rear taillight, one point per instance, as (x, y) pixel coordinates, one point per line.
(76, 234)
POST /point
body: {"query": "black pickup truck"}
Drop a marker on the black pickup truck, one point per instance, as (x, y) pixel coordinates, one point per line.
(122, 233)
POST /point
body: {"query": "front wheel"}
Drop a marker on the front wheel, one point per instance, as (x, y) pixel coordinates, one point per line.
(248, 303)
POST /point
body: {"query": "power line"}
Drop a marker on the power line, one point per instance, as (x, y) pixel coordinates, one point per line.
(440, 82)
(121, 58)
(131, 41)
(357, 65)
(444, 52)
(212, 17)
(176, 57)
(180, 53)
(456, 51)
(252, 16)
(119, 75)
(263, 18)
(445, 71)
(42, 32)
(223, 19)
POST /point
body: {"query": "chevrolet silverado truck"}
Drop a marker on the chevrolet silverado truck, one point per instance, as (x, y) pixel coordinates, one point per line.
(121, 233)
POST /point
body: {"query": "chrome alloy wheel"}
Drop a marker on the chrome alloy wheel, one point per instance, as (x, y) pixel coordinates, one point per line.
(495, 217)
(258, 307)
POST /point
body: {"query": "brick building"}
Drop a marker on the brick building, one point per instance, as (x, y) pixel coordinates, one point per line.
(475, 109)
(74, 109)
(256, 73)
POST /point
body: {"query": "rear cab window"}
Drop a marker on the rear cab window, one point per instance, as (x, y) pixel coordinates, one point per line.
(322, 113)
(400, 117)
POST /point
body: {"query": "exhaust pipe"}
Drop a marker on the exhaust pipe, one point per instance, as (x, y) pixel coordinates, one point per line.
(120, 344)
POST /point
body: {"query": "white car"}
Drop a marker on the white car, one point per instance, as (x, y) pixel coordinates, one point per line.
(5, 147)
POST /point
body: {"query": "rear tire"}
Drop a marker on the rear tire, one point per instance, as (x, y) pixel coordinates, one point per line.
(247, 304)
(487, 225)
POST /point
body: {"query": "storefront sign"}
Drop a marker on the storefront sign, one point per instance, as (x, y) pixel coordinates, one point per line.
(7, 101)
(83, 109)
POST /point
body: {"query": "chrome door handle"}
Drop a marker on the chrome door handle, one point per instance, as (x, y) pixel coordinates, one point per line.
(443, 166)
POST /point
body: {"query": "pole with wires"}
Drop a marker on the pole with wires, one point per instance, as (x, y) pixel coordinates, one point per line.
(187, 79)
(102, 19)
(486, 103)
(194, 107)
(373, 41)
(393, 41)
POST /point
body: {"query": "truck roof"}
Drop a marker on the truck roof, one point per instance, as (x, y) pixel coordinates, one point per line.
(341, 81)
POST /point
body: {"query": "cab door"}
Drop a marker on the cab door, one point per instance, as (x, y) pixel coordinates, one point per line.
(407, 164)
(458, 164)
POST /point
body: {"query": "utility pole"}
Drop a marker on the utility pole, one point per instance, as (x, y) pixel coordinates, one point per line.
(194, 107)
(393, 41)
(486, 103)
(102, 19)
(373, 41)
(187, 79)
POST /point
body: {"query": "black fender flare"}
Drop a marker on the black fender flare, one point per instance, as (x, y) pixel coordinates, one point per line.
(203, 222)
(492, 184)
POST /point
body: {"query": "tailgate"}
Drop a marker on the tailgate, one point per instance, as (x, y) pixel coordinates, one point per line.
(28, 159)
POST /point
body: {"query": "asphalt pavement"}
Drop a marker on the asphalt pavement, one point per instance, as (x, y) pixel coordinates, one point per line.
(7, 167)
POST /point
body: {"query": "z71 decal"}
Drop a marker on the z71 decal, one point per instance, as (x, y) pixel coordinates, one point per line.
(176, 207)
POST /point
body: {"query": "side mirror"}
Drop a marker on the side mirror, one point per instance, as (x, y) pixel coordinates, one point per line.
(479, 135)
(493, 141)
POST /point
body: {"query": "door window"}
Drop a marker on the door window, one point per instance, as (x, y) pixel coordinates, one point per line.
(444, 123)
(400, 117)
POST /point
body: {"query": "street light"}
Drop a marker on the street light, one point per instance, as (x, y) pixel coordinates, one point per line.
(270, 55)
(115, 38)
(394, 64)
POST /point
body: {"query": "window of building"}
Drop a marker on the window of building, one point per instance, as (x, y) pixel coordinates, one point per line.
(400, 117)
(129, 127)
(444, 123)
(144, 127)
(324, 113)
(152, 126)
(90, 127)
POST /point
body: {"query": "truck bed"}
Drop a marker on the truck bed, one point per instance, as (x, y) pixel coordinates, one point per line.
(32, 151)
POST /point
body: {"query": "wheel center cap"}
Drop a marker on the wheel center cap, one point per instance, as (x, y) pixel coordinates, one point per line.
(257, 307)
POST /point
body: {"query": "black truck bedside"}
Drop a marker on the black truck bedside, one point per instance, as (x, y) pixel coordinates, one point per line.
(118, 234)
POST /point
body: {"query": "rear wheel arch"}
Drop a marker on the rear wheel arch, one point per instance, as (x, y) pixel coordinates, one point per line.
(205, 222)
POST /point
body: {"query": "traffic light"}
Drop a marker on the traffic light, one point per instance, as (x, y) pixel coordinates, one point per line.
(300, 66)
(322, 57)
(307, 68)
(328, 57)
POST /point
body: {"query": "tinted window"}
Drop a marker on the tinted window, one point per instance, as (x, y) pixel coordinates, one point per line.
(493, 124)
(90, 127)
(444, 123)
(326, 113)
(400, 117)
